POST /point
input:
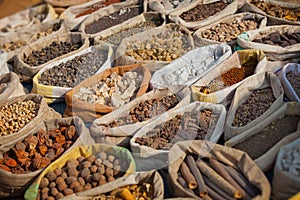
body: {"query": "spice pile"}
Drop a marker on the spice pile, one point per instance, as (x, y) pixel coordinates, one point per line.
(294, 80)
(72, 72)
(229, 78)
(112, 20)
(254, 106)
(192, 125)
(211, 179)
(81, 174)
(291, 162)
(277, 11)
(146, 110)
(141, 27)
(50, 52)
(38, 150)
(165, 46)
(143, 191)
(201, 12)
(261, 142)
(228, 31)
(15, 116)
(115, 90)
(278, 39)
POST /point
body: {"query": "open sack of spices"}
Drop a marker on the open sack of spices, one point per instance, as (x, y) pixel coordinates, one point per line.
(204, 170)
(83, 170)
(279, 43)
(219, 84)
(156, 47)
(196, 121)
(138, 24)
(74, 15)
(166, 6)
(35, 56)
(104, 92)
(10, 86)
(26, 18)
(25, 158)
(277, 12)
(286, 179)
(60, 76)
(227, 29)
(263, 141)
(290, 80)
(202, 13)
(190, 67)
(13, 42)
(254, 100)
(20, 114)
(139, 185)
(110, 16)
(119, 126)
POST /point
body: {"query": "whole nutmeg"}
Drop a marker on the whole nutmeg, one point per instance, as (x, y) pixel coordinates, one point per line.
(58, 171)
(81, 181)
(44, 183)
(101, 169)
(45, 190)
(73, 172)
(74, 184)
(78, 188)
(98, 162)
(68, 191)
(96, 176)
(59, 196)
(110, 179)
(62, 186)
(52, 185)
(93, 168)
(54, 192)
(64, 175)
(70, 180)
(51, 176)
(102, 156)
(109, 172)
(87, 186)
(85, 172)
(59, 180)
(72, 163)
(85, 164)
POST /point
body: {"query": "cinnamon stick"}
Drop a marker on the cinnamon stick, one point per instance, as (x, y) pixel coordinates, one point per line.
(218, 180)
(182, 182)
(196, 172)
(218, 167)
(215, 192)
(222, 158)
(242, 181)
(188, 176)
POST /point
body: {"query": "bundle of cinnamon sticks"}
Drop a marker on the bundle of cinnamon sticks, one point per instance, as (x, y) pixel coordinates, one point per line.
(216, 179)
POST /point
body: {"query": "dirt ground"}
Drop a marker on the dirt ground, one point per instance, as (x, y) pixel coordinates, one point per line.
(9, 7)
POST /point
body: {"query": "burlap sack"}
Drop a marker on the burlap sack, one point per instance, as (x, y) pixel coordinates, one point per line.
(95, 16)
(266, 161)
(16, 184)
(26, 18)
(228, 10)
(273, 52)
(3, 63)
(13, 86)
(259, 81)
(90, 111)
(54, 94)
(121, 135)
(165, 6)
(201, 60)
(200, 41)
(246, 58)
(85, 151)
(23, 69)
(66, 3)
(285, 185)
(69, 15)
(148, 158)
(144, 17)
(29, 35)
(248, 7)
(288, 89)
(123, 59)
(205, 149)
(151, 177)
(44, 112)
